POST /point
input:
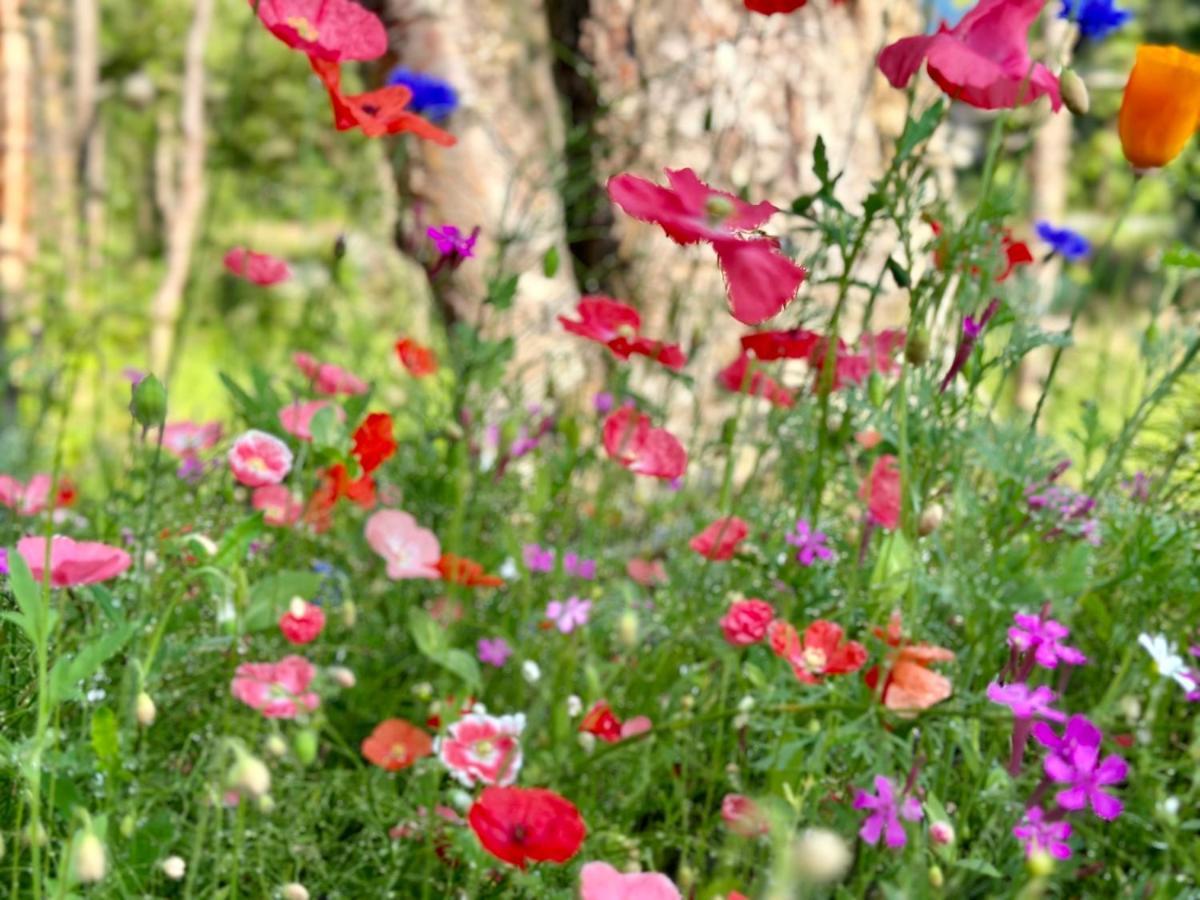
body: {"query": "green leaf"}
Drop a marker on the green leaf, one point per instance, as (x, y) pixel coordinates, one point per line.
(237, 539)
(502, 291)
(917, 131)
(426, 634)
(893, 569)
(69, 671)
(550, 262)
(106, 740)
(821, 161)
(464, 666)
(1182, 256)
(979, 867)
(802, 204)
(325, 428)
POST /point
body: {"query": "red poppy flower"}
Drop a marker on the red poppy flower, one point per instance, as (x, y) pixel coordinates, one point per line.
(616, 325)
(326, 29)
(1016, 253)
(821, 652)
(908, 684)
(632, 442)
(719, 540)
(378, 112)
(467, 572)
(769, 7)
(881, 492)
(418, 359)
(396, 744)
(373, 441)
(518, 825)
(601, 722)
(760, 281)
(874, 353)
(795, 343)
(758, 384)
(336, 483)
(259, 268)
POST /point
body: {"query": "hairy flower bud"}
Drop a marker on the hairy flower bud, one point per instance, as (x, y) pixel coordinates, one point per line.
(916, 348)
(936, 878)
(173, 867)
(249, 775)
(349, 613)
(931, 519)
(146, 711)
(294, 891)
(627, 628)
(1074, 92)
(305, 745)
(342, 676)
(89, 861)
(941, 832)
(148, 404)
(1040, 864)
(820, 856)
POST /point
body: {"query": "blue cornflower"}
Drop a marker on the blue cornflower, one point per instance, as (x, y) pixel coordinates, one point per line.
(1097, 18)
(1067, 243)
(432, 97)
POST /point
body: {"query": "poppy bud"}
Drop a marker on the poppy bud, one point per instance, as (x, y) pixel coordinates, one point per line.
(173, 867)
(343, 676)
(1159, 109)
(1040, 864)
(249, 775)
(35, 834)
(916, 349)
(88, 860)
(305, 745)
(820, 856)
(349, 613)
(531, 671)
(294, 891)
(276, 746)
(149, 402)
(128, 824)
(146, 711)
(627, 628)
(941, 833)
(931, 519)
(936, 878)
(1074, 92)
(899, 275)
(876, 389)
(266, 804)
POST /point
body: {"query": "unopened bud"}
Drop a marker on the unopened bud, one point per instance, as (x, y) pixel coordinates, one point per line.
(876, 390)
(276, 746)
(294, 891)
(627, 628)
(423, 690)
(148, 404)
(941, 833)
(686, 877)
(249, 775)
(298, 607)
(936, 878)
(916, 348)
(821, 856)
(88, 861)
(1074, 92)
(266, 804)
(349, 613)
(35, 834)
(128, 824)
(173, 867)
(1040, 864)
(574, 705)
(342, 676)
(305, 745)
(145, 710)
(931, 519)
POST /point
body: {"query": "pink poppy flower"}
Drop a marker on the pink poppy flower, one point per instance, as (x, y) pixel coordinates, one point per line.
(983, 60)
(302, 622)
(646, 572)
(617, 326)
(257, 459)
(743, 816)
(747, 621)
(482, 749)
(186, 439)
(759, 279)
(327, 29)
(278, 690)
(72, 562)
(630, 440)
(259, 268)
(409, 550)
(719, 540)
(296, 418)
(600, 881)
(881, 492)
(327, 378)
(279, 506)
(33, 498)
(758, 383)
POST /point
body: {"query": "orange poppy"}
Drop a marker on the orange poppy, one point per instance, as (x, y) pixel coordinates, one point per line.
(909, 684)
(1161, 108)
(467, 572)
(396, 744)
(418, 359)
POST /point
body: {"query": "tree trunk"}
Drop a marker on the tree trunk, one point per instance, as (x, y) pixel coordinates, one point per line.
(16, 139)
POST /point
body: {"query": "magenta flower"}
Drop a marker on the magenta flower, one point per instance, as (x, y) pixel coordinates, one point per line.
(1043, 638)
(1040, 836)
(574, 564)
(538, 559)
(1025, 703)
(450, 240)
(1074, 760)
(886, 813)
(603, 402)
(493, 651)
(971, 332)
(569, 614)
(810, 544)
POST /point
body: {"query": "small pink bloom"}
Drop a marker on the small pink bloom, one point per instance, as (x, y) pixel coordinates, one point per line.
(646, 572)
(600, 881)
(257, 459)
(747, 621)
(260, 268)
(742, 816)
(185, 439)
(635, 726)
(296, 418)
(482, 749)
(72, 562)
(302, 622)
(327, 378)
(881, 492)
(279, 506)
(25, 499)
(719, 540)
(630, 440)
(409, 550)
(277, 690)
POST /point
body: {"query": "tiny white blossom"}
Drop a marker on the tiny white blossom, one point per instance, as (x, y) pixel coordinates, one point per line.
(532, 671)
(1168, 663)
(574, 705)
(508, 569)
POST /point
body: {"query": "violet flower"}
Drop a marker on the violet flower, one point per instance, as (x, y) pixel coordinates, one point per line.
(493, 651)
(1025, 703)
(574, 564)
(569, 614)
(452, 245)
(810, 544)
(1043, 638)
(538, 559)
(1041, 836)
(886, 813)
(971, 332)
(1074, 760)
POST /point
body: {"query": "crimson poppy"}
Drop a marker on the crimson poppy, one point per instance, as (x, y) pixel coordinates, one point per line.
(373, 441)
(327, 29)
(259, 268)
(467, 572)
(616, 325)
(1015, 253)
(518, 825)
(719, 541)
(418, 359)
(602, 722)
(396, 744)
(795, 343)
(378, 112)
(336, 483)
(632, 442)
(759, 384)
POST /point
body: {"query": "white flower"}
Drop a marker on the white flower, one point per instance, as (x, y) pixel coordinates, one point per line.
(508, 569)
(174, 867)
(532, 671)
(574, 705)
(1169, 663)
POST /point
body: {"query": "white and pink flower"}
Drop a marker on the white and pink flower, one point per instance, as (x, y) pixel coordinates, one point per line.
(409, 550)
(184, 439)
(296, 418)
(278, 690)
(482, 749)
(258, 459)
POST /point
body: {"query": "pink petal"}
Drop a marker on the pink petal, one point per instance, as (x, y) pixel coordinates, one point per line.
(760, 281)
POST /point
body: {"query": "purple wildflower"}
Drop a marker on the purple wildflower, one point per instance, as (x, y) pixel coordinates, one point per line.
(1067, 511)
(1074, 760)
(1024, 702)
(1043, 637)
(574, 564)
(886, 813)
(810, 544)
(493, 651)
(570, 614)
(450, 241)
(3, 561)
(1042, 836)
(190, 468)
(538, 559)
(971, 332)
(603, 402)
(1138, 487)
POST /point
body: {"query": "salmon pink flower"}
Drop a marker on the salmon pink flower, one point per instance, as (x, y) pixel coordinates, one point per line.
(409, 550)
(600, 881)
(746, 621)
(185, 439)
(278, 505)
(375, 113)
(520, 825)
(719, 541)
(743, 816)
(396, 744)
(886, 812)
(296, 418)
(616, 325)
(740, 377)
(302, 622)
(646, 572)
(278, 690)
(33, 498)
(881, 493)
(72, 563)
(631, 441)
(908, 684)
(759, 279)
(418, 359)
(326, 29)
(821, 652)
(257, 459)
(983, 60)
(373, 441)
(327, 378)
(482, 749)
(1040, 835)
(260, 268)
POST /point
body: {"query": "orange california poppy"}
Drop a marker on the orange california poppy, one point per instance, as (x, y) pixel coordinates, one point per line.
(396, 744)
(460, 570)
(418, 359)
(1161, 108)
(909, 684)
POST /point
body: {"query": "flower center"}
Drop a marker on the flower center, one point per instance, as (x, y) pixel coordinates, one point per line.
(484, 749)
(518, 834)
(398, 750)
(718, 209)
(814, 659)
(303, 27)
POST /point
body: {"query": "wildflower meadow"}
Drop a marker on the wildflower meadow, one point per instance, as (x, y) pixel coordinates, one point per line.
(353, 569)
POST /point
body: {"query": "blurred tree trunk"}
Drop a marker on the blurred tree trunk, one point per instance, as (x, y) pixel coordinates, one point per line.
(16, 139)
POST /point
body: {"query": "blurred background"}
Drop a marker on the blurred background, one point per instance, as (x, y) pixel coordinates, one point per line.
(142, 140)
